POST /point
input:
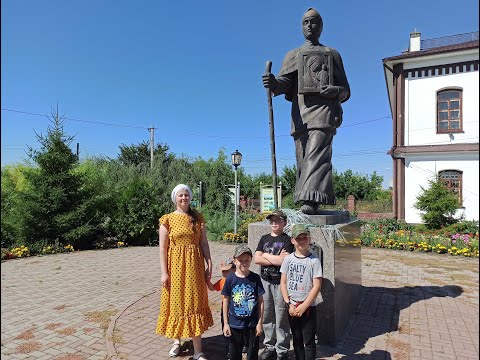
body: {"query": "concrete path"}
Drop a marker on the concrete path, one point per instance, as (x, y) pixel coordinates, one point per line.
(104, 304)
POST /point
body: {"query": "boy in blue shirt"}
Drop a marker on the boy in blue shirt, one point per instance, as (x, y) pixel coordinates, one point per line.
(243, 306)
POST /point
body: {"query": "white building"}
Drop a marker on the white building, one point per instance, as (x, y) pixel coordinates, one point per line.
(433, 89)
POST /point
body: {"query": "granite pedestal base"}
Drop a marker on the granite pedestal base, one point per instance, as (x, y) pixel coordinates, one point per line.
(342, 271)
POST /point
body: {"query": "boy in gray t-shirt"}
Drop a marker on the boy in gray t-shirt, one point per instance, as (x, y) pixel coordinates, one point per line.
(300, 284)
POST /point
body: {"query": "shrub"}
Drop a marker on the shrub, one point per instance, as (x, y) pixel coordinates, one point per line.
(137, 213)
(439, 205)
(247, 218)
(217, 225)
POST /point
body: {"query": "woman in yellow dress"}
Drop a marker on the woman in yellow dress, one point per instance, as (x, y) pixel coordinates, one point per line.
(184, 251)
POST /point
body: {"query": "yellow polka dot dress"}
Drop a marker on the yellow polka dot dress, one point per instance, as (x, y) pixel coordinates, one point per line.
(184, 310)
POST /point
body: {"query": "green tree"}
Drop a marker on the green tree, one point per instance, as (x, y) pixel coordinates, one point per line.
(56, 207)
(289, 179)
(137, 212)
(140, 153)
(13, 183)
(438, 203)
(215, 175)
(363, 187)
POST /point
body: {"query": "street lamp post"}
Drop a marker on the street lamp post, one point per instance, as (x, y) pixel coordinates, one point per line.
(236, 160)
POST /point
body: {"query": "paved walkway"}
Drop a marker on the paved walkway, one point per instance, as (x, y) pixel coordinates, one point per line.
(100, 304)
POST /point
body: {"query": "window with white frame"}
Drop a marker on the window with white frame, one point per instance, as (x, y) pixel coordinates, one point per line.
(449, 111)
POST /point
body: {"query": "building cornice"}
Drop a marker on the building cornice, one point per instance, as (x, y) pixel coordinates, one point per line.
(425, 149)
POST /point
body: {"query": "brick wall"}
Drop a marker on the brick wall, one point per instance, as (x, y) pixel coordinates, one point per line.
(364, 215)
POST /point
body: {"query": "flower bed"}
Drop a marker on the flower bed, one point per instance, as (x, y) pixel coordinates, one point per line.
(24, 251)
(457, 240)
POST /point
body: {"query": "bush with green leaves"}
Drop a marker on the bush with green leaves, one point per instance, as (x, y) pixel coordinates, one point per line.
(246, 219)
(218, 224)
(137, 213)
(438, 205)
(362, 186)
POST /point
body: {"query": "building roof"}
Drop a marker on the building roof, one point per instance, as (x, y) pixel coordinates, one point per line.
(440, 47)
(437, 50)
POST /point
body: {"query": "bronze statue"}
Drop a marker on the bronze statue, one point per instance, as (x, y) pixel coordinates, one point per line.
(312, 77)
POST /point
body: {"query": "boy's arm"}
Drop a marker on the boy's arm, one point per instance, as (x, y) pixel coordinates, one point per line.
(283, 288)
(260, 259)
(317, 284)
(275, 260)
(226, 326)
(284, 291)
(259, 328)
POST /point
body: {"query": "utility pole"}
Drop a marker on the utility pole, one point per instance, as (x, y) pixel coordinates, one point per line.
(152, 129)
(78, 151)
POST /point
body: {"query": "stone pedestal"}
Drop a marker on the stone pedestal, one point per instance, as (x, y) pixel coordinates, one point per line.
(342, 271)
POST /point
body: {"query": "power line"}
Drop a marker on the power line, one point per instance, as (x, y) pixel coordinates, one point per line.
(430, 172)
(181, 133)
(78, 120)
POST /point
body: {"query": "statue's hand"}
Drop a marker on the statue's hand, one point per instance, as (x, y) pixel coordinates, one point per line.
(269, 81)
(329, 91)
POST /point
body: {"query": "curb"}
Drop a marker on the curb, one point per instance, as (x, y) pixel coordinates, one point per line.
(110, 345)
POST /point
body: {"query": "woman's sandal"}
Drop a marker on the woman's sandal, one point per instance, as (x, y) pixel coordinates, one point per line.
(175, 350)
(199, 356)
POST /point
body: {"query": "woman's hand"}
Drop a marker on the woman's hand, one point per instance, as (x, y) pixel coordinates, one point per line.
(165, 280)
(208, 276)
(210, 286)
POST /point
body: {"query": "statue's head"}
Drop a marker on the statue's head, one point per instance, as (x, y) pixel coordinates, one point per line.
(312, 25)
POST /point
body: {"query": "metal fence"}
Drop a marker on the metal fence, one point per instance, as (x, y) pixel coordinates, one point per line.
(448, 40)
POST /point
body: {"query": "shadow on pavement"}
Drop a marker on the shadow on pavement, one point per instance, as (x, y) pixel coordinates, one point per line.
(378, 313)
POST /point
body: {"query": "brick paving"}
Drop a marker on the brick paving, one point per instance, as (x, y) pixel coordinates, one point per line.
(104, 304)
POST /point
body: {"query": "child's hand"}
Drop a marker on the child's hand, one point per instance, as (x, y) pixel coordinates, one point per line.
(226, 330)
(300, 310)
(292, 310)
(259, 329)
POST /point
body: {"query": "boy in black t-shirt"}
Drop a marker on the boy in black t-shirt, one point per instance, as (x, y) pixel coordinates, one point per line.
(271, 250)
(243, 306)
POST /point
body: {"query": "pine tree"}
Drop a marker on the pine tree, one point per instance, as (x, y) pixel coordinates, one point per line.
(56, 209)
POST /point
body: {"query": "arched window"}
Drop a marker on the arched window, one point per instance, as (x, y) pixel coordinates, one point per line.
(449, 111)
(453, 180)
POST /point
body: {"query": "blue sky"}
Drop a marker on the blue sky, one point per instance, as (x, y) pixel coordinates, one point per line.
(193, 70)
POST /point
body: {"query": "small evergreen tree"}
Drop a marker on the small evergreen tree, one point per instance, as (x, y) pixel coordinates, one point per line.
(438, 203)
(56, 208)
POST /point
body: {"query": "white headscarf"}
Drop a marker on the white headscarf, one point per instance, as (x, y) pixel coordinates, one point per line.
(179, 187)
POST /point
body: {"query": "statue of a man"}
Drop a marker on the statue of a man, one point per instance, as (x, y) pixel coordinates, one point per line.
(312, 77)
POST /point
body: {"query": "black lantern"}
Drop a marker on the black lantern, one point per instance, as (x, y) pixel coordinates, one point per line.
(236, 158)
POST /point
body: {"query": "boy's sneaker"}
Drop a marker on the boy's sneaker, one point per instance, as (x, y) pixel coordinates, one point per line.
(268, 355)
